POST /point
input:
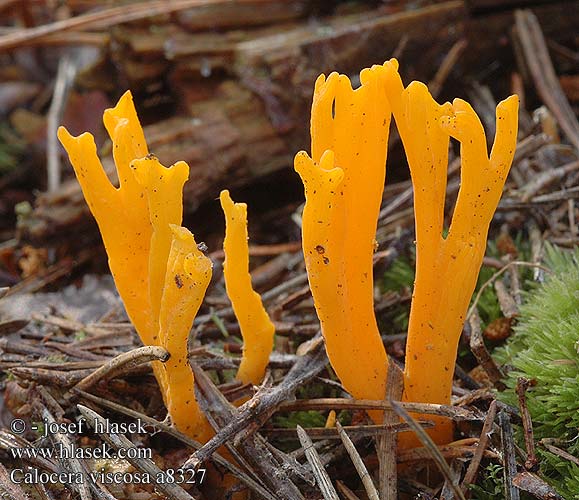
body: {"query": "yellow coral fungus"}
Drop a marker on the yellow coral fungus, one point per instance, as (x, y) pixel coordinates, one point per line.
(256, 327)
(339, 223)
(344, 182)
(446, 268)
(159, 272)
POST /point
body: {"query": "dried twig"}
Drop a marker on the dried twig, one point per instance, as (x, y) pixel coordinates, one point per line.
(545, 178)
(55, 378)
(262, 403)
(388, 442)
(252, 450)
(478, 348)
(357, 431)
(449, 452)
(507, 304)
(456, 470)
(535, 264)
(218, 459)
(102, 19)
(532, 462)
(64, 77)
(358, 463)
(8, 489)
(534, 485)
(346, 492)
(123, 363)
(448, 63)
(73, 463)
(456, 413)
(539, 62)
(558, 451)
(322, 478)
(471, 472)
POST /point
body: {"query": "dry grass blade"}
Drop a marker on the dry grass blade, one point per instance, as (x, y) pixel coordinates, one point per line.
(358, 463)
(430, 446)
(322, 478)
(122, 363)
(118, 441)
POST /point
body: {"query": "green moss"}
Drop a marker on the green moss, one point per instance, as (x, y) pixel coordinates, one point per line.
(400, 275)
(544, 348)
(491, 484)
(11, 149)
(304, 418)
(488, 304)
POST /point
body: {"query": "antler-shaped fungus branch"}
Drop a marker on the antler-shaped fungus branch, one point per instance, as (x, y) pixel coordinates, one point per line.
(158, 270)
(446, 268)
(349, 129)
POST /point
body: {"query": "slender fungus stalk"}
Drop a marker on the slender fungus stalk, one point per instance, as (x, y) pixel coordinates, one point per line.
(256, 327)
(446, 268)
(349, 130)
(186, 280)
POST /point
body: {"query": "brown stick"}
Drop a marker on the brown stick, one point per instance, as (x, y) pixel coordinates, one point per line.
(104, 19)
(388, 442)
(541, 67)
(471, 472)
(534, 485)
(481, 353)
(532, 463)
(510, 462)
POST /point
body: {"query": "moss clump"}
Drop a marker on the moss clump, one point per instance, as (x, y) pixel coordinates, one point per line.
(544, 348)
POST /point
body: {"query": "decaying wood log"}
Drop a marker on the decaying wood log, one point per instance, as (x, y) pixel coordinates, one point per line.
(251, 116)
(242, 96)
